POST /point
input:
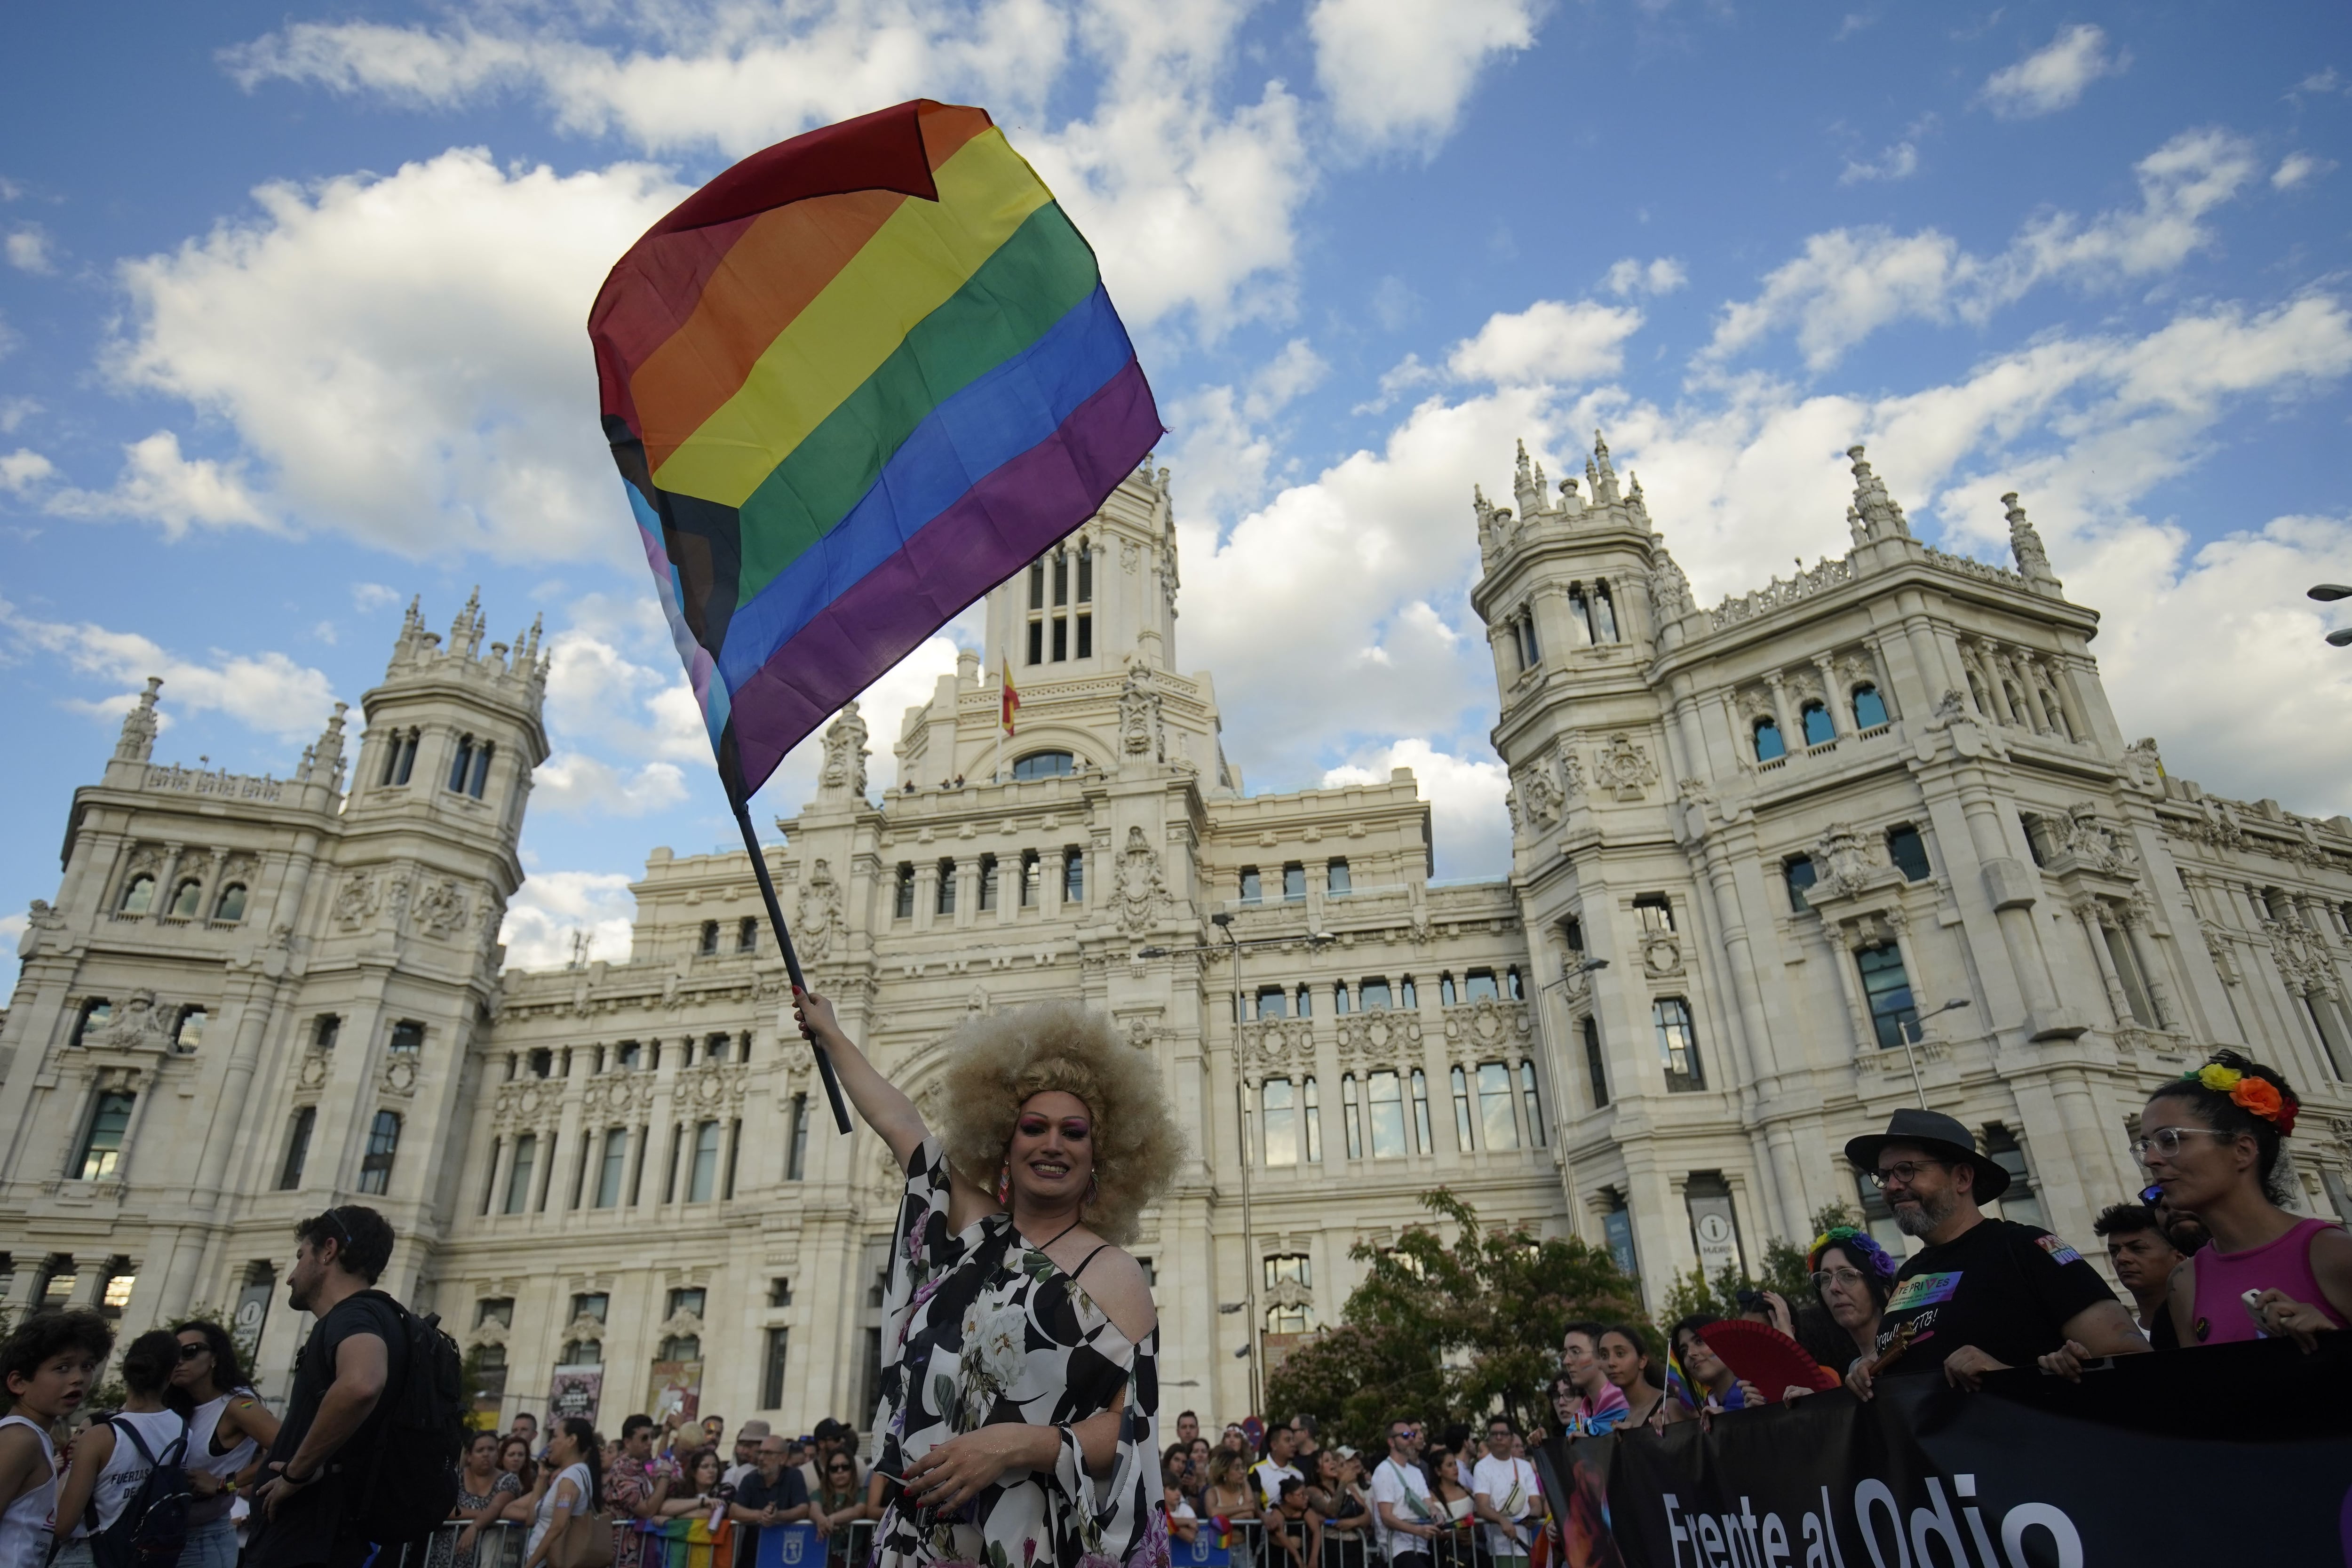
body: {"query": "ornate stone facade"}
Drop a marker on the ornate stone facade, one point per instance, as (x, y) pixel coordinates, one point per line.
(1897, 774)
(627, 1158)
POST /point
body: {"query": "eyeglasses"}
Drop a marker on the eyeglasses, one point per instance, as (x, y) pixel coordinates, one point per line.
(1406, 1436)
(1903, 1173)
(1849, 1277)
(190, 1352)
(2165, 1141)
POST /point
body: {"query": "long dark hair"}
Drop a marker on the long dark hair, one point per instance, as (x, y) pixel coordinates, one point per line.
(528, 1476)
(228, 1367)
(583, 1432)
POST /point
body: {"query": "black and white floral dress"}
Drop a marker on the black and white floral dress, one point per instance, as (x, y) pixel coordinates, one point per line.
(980, 1328)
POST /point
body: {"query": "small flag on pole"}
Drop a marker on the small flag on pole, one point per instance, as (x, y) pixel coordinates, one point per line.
(1011, 697)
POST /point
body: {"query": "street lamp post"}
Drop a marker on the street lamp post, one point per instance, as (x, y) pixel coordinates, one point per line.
(1223, 921)
(1911, 1055)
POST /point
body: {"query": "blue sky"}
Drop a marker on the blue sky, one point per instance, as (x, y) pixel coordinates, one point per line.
(292, 306)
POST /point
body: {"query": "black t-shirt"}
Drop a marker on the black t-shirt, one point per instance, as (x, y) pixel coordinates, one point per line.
(305, 1529)
(2005, 1288)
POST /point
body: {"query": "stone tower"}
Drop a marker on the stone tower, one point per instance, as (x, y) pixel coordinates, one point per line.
(256, 997)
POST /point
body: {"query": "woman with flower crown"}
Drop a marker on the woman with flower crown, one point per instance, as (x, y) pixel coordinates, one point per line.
(2213, 1141)
(1020, 1379)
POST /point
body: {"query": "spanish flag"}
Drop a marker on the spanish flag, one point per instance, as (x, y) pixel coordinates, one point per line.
(1012, 697)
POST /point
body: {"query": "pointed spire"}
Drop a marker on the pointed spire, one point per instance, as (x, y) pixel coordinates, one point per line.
(466, 631)
(2025, 544)
(1881, 518)
(1525, 488)
(137, 742)
(1604, 476)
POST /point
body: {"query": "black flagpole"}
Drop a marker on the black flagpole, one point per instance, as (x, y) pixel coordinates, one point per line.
(792, 959)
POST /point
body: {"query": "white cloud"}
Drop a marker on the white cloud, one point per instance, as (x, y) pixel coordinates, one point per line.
(1662, 276)
(12, 931)
(29, 249)
(23, 469)
(1188, 191)
(1547, 342)
(578, 785)
(1399, 73)
(2299, 168)
(1224, 444)
(1470, 830)
(2054, 77)
(368, 596)
(550, 906)
(1899, 162)
(400, 357)
(159, 485)
(1848, 283)
(267, 692)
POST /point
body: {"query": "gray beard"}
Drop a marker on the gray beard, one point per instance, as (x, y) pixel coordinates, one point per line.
(1931, 1213)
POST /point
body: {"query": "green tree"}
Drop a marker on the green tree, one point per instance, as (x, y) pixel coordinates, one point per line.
(1449, 1331)
(1784, 1271)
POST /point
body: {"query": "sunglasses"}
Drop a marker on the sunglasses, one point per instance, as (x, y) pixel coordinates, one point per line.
(190, 1352)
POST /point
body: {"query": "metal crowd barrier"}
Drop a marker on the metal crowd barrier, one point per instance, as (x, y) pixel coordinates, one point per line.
(496, 1545)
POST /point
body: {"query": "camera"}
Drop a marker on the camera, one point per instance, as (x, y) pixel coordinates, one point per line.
(1752, 1301)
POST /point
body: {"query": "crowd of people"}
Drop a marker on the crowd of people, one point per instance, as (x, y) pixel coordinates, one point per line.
(2209, 1253)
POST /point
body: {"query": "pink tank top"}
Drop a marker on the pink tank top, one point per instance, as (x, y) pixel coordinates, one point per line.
(2224, 1278)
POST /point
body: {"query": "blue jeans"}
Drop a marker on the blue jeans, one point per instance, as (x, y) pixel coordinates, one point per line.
(211, 1545)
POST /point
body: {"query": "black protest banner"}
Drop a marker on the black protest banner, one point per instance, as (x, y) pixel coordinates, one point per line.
(2223, 1454)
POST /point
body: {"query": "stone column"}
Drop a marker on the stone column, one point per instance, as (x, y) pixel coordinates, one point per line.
(1832, 698)
(2095, 919)
(1793, 737)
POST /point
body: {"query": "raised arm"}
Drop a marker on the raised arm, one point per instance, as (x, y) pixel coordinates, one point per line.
(879, 1101)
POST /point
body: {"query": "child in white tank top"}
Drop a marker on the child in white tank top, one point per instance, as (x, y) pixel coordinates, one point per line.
(107, 1468)
(48, 1366)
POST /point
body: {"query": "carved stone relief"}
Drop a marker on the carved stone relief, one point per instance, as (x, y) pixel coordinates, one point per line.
(441, 906)
(1488, 1029)
(819, 916)
(1624, 768)
(1142, 887)
(1379, 1038)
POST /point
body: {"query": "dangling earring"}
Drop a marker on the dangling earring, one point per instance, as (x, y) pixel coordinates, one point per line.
(1004, 1184)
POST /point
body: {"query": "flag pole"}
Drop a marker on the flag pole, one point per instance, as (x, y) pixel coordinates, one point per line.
(792, 959)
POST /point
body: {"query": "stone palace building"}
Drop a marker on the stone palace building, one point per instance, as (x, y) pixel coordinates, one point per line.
(1779, 867)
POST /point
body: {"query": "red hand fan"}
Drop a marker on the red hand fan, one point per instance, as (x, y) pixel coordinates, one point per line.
(1764, 1356)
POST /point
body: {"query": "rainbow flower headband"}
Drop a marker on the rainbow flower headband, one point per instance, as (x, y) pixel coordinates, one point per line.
(1856, 1241)
(2246, 1092)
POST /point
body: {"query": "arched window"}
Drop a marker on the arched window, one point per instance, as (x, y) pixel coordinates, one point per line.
(1797, 872)
(1677, 1043)
(189, 1032)
(1351, 1116)
(1044, 765)
(1869, 708)
(407, 750)
(1819, 731)
(382, 1146)
(481, 770)
(187, 900)
(1279, 1118)
(1461, 1085)
(96, 1014)
(1769, 746)
(461, 765)
(1581, 608)
(1604, 614)
(1498, 1125)
(139, 897)
(1534, 1098)
(230, 905)
(708, 943)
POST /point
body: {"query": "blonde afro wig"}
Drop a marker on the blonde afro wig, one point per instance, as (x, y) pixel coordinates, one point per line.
(998, 1061)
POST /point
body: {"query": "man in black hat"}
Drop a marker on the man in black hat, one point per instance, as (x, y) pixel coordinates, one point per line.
(1984, 1294)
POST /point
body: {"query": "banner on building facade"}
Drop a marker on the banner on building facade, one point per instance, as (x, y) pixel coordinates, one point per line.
(2226, 1453)
(576, 1391)
(676, 1386)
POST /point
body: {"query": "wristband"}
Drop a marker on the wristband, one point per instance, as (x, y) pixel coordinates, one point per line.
(291, 1479)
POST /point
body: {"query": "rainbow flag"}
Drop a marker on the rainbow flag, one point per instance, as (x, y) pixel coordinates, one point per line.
(852, 384)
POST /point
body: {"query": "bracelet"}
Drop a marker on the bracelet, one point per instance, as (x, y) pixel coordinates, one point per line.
(291, 1479)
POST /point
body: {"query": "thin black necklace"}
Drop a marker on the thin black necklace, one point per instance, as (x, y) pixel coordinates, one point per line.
(1065, 1230)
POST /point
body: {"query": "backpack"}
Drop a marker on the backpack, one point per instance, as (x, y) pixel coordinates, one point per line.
(153, 1527)
(412, 1482)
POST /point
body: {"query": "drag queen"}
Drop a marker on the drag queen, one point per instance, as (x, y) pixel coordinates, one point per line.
(1020, 1380)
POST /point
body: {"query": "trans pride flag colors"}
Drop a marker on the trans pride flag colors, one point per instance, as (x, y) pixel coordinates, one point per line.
(852, 384)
